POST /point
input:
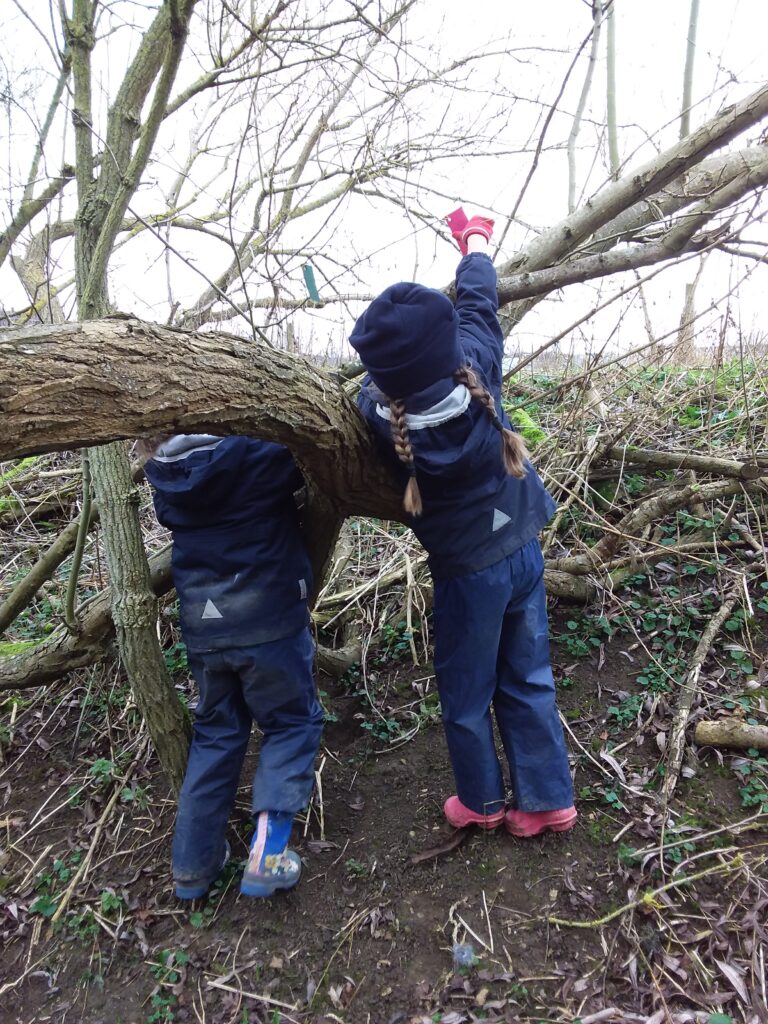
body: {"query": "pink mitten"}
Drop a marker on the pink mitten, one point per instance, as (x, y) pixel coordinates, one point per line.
(477, 226)
(457, 221)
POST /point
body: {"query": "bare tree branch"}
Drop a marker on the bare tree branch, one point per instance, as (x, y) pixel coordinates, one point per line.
(690, 56)
(597, 20)
(642, 182)
(30, 208)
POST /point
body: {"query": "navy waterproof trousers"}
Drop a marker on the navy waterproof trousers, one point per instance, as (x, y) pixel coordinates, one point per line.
(273, 685)
(492, 651)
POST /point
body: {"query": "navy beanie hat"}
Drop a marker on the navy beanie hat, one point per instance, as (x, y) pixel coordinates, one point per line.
(408, 338)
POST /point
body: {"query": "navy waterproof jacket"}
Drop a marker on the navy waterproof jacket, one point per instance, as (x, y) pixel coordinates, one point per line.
(475, 513)
(239, 562)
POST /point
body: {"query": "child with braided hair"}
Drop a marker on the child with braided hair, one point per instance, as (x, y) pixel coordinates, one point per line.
(433, 400)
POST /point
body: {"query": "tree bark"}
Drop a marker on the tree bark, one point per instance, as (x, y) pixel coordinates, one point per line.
(102, 203)
(597, 20)
(731, 732)
(690, 56)
(64, 652)
(128, 378)
(614, 161)
(694, 185)
(103, 380)
(134, 612)
(689, 691)
(684, 460)
(640, 183)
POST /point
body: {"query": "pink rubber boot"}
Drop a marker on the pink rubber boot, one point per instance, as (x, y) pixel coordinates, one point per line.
(460, 816)
(530, 823)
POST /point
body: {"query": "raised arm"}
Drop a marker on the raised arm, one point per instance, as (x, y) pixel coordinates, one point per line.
(477, 301)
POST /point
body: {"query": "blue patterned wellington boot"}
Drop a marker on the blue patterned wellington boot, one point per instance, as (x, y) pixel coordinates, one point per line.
(271, 865)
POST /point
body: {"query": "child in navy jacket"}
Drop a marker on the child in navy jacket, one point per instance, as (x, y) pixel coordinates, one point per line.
(242, 575)
(433, 399)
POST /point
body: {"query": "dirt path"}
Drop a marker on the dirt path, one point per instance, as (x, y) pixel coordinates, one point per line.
(369, 935)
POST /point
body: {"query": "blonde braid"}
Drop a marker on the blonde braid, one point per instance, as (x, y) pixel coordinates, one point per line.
(402, 442)
(514, 451)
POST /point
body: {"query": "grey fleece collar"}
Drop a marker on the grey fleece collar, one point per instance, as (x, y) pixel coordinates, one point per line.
(181, 445)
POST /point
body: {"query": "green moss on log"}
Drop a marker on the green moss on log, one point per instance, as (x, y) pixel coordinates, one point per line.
(9, 648)
(14, 471)
(528, 427)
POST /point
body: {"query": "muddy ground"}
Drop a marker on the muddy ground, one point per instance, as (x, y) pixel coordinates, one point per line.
(370, 933)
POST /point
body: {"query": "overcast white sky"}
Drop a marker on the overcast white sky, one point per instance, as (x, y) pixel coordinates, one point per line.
(531, 48)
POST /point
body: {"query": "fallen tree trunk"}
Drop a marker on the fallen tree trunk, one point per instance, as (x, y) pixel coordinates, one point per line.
(76, 385)
(24, 591)
(630, 527)
(62, 651)
(748, 470)
(731, 732)
(65, 386)
(338, 660)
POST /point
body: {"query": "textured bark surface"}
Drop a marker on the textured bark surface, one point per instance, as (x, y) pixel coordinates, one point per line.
(731, 732)
(90, 383)
(134, 611)
(682, 460)
(640, 183)
(94, 382)
(103, 199)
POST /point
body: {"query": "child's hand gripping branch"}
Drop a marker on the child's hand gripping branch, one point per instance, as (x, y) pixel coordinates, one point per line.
(433, 400)
(470, 234)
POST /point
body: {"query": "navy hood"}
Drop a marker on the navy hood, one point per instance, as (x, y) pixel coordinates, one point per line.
(239, 562)
(408, 338)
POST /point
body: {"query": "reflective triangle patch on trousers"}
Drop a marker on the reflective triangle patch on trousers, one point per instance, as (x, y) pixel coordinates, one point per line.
(499, 519)
(211, 611)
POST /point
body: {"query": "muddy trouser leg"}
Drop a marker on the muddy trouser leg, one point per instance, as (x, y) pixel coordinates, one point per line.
(468, 613)
(279, 688)
(524, 701)
(219, 740)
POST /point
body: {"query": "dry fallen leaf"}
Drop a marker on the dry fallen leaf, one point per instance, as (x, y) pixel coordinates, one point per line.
(321, 845)
(733, 975)
(453, 842)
